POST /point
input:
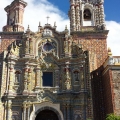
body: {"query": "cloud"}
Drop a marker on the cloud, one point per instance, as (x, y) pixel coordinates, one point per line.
(37, 11)
(113, 39)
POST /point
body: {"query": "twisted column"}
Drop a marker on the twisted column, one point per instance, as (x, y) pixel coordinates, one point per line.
(77, 18)
(73, 23)
(102, 18)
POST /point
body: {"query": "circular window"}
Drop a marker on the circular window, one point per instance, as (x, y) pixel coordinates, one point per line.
(47, 47)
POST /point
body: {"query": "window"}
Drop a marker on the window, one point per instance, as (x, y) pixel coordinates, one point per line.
(48, 79)
(87, 15)
(47, 47)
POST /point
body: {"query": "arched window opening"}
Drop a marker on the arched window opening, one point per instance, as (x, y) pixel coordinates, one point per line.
(78, 117)
(17, 76)
(76, 76)
(87, 15)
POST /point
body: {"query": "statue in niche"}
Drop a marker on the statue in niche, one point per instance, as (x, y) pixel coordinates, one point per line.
(76, 76)
(17, 76)
(68, 86)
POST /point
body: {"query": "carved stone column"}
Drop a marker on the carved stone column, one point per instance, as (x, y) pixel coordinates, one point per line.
(25, 90)
(8, 110)
(77, 18)
(68, 112)
(29, 79)
(57, 77)
(102, 19)
(73, 23)
(65, 111)
(38, 78)
(28, 118)
(67, 77)
(31, 46)
(24, 111)
(11, 77)
(26, 49)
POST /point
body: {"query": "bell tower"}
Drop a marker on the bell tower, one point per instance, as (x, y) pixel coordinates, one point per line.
(15, 13)
(86, 13)
(87, 27)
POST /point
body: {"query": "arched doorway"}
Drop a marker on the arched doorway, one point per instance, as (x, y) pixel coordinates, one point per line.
(46, 115)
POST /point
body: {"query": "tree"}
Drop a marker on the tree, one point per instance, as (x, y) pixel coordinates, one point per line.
(112, 117)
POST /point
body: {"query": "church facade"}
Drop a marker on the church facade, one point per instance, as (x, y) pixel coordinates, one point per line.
(52, 75)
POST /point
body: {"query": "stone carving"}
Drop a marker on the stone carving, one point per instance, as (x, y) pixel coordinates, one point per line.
(47, 32)
(111, 60)
(40, 96)
(15, 115)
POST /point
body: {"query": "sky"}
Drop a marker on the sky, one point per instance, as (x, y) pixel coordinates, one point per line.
(57, 10)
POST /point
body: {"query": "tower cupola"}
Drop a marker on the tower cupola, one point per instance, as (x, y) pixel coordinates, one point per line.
(15, 13)
(84, 13)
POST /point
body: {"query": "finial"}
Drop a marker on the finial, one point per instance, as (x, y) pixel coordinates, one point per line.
(47, 19)
(66, 27)
(28, 27)
(109, 52)
(39, 24)
(54, 24)
(39, 27)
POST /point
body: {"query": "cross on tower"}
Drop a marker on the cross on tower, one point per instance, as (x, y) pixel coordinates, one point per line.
(47, 19)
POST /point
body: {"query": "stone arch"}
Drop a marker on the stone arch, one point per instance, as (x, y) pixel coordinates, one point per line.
(87, 14)
(49, 108)
(46, 105)
(89, 7)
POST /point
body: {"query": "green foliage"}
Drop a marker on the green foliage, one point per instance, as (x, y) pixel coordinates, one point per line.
(112, 117)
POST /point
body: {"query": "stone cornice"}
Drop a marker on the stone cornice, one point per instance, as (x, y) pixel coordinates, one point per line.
(11, 33)
(14, 2)
(111, 67)
(88, 34)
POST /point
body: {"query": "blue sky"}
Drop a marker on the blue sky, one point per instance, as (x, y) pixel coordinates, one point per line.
(112, 8)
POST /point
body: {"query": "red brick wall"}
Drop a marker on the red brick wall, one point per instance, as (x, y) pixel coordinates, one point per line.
(95, 43)
(107, 87)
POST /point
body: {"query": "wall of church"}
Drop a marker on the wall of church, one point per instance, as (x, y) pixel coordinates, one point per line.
(96, 46)
(116, 90)
(108, 92)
